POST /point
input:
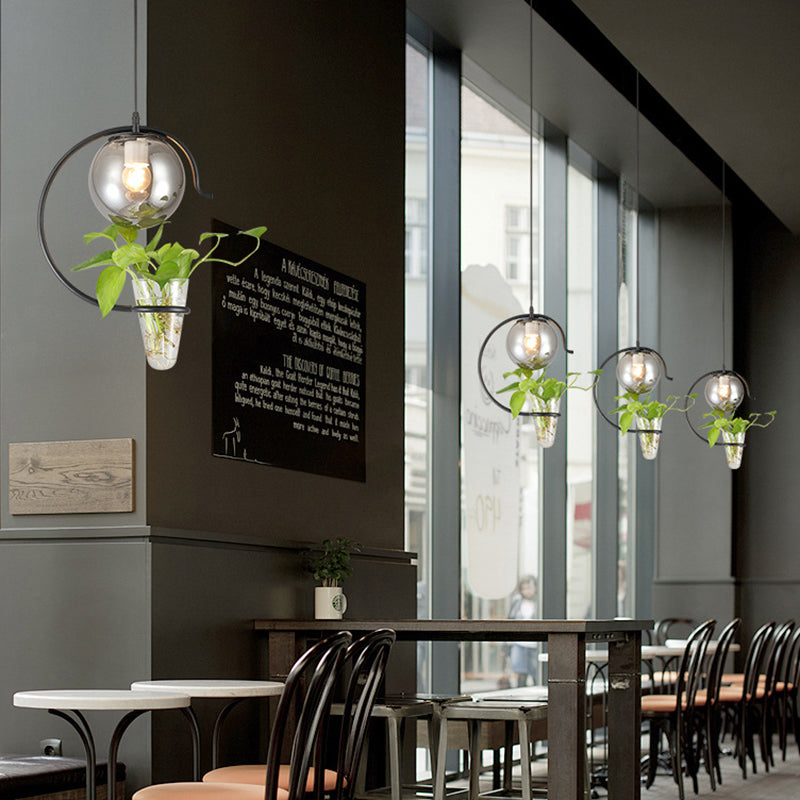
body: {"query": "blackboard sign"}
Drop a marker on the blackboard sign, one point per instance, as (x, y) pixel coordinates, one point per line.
(288, 362)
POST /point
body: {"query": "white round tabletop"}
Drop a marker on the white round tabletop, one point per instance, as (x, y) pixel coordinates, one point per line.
(98, 699)
(212, 688)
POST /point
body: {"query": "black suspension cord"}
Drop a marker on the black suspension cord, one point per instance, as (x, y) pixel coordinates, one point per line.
(637, 207)
(530, 168)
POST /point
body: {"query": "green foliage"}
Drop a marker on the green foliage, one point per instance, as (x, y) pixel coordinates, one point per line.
(631, 406)
(161, 263)
(719, 422)
(529, 386)
(332, 565)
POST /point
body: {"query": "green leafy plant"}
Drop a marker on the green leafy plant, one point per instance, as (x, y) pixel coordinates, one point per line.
(332, 565)
(160, 262)
(719, 422)
(631, 406)
(539, 389)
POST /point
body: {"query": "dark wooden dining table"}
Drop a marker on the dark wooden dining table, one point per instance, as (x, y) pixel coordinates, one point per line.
(566, 682)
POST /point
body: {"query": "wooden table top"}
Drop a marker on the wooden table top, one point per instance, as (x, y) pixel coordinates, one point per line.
(460, 630)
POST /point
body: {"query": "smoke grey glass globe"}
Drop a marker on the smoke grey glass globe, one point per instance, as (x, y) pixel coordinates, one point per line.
(724, 391)
(138, 177)
(532, 343)
(638, 371)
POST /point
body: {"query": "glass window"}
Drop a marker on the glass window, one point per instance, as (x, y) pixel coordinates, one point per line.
(626, 293)
(500, 459)
(417, 399)
(581, 238)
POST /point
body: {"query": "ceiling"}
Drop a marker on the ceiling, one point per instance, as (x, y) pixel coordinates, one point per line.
(728, 67)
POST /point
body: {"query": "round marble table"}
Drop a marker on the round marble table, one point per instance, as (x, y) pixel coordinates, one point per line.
(235, 690)
(70, 703)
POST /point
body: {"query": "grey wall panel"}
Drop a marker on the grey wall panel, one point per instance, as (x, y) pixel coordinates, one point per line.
(700, 600)
(204, 601)
(76, 615)
(767, 261)
(66, 72)
(295, 112)
(694, 542)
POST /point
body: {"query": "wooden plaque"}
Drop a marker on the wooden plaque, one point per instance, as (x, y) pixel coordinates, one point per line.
(78, 477)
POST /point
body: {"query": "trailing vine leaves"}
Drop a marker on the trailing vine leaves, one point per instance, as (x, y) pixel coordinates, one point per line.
(719, 422)
(160, 263)
(631, 406)
(529, 386)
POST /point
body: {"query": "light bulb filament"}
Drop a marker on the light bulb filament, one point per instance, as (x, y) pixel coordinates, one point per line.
(532, 341)
(638, 369)
(136, 173)
(724, 387)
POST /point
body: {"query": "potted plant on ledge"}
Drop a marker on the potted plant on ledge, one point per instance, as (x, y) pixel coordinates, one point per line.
(159, 276)
(331, 567)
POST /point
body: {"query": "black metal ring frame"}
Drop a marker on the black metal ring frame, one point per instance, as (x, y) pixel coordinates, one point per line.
(686, 408)
(602, 367)
(110, 132)
(529, 316)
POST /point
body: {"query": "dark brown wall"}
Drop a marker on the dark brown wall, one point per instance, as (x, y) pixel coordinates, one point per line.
(295, 113)
(766, 553)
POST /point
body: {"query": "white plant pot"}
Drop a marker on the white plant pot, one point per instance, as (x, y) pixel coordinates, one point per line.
(329, 602)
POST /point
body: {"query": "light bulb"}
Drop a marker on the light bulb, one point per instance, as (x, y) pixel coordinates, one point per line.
(724, 391)
(136, 174)
(139, 178)
(638, 368)
(532, 343)
(532, 340)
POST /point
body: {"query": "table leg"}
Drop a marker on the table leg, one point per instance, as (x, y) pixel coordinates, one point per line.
(79, 723)
(625, 716)
(194, 726)
(215, 735)
(113, 750)
(566, 721)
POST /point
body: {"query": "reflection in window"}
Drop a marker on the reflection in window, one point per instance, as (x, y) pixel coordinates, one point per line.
(626, 293)
(417, 400)
(500, 458)
(518, 232)
(580, 410)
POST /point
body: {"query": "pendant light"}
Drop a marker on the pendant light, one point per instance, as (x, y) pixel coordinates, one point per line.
(532, 339)
(136, 178)
(724, 389)
(639, 369)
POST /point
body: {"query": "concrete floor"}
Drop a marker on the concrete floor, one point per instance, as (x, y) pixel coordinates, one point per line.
(781, 783)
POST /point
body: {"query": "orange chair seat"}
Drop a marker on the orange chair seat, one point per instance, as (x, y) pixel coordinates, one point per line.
(256, 774)
(204, 791)
(664, 703)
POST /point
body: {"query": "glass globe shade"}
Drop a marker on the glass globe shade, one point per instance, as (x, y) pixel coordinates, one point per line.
(638, 371)
(138, 177)
(532, 343)
(724, 391)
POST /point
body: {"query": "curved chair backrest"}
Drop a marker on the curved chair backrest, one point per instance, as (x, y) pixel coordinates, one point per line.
(302, 710)
(777, 655)
(664, 627)
(368, 656)
(793, 661)
(717, 667)
(691, 666)
(759, 645)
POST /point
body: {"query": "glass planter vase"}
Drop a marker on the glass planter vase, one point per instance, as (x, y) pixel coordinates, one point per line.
(734, 448)
(649, 436)
(161, 330)
(546, 425)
